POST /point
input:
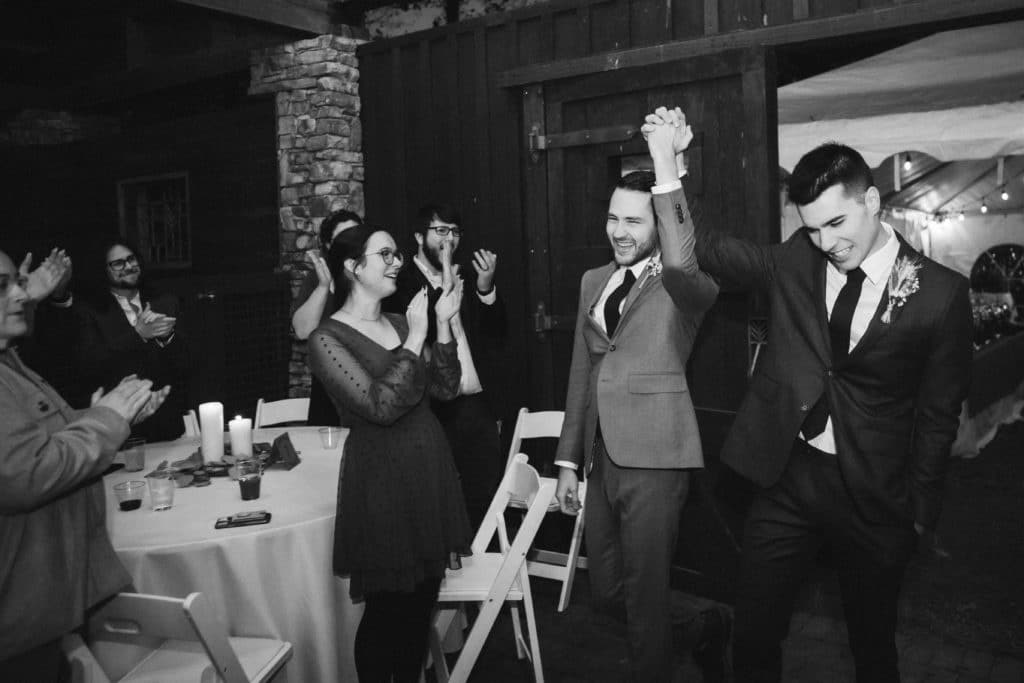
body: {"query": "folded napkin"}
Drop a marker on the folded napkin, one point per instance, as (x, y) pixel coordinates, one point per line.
(283, 453)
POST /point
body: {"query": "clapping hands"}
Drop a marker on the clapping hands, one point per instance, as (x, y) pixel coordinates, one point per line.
(132, 399)
(153, 325)
(485, 263)
(449, 303)
(51, 275)
(323, 273)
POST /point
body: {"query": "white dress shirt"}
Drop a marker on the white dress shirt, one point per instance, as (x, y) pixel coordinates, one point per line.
(876, 267)
(613, 283)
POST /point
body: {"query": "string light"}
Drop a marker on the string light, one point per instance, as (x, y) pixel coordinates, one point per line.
(906, 163)
(1005, 195)
(984, 207)
(961, 216)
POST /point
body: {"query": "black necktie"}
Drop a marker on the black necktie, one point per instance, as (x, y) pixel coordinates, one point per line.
(839, 331)
(614, 302)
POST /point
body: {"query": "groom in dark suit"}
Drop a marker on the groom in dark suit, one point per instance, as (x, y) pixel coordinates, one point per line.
(629, 420)
(851, 413)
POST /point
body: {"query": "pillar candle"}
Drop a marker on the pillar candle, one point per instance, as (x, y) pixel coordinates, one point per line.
(241, 436)
(211, 426)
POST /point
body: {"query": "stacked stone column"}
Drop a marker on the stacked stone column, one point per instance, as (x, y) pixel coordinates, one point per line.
(315, 83)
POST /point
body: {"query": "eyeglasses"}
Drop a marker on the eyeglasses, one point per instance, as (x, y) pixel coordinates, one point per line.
(122, 263)
(443, 230)
(389, 256)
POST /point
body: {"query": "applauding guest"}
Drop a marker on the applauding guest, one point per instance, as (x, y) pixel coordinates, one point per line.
(57, 560)
(401, 520)
(316, 304)
(130, 329)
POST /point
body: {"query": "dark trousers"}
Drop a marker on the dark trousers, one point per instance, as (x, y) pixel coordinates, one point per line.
(786, 526)
(43, 664)
(391, 642)
(631, 525)
(472, 432)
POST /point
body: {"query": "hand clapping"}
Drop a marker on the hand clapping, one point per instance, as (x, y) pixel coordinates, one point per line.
(153, 325)
(449, 302)
(53, 272)
(416, 315)
(323, 273)
(129, 397)
(485, 263)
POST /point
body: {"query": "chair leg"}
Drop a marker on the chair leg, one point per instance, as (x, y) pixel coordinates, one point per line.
(475, 640)
(531, 625)
(517, 632)
(574, 554)
(442, 622)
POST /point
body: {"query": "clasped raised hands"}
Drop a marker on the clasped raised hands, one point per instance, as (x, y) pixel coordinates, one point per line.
(667, 126)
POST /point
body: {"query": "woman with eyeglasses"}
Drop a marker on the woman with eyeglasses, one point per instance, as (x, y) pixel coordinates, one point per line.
(401, 520)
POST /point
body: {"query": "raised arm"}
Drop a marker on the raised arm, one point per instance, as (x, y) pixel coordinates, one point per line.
(380, 399)
(315, 296)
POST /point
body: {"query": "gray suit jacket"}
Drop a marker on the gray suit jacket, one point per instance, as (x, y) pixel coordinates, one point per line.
(635, 381)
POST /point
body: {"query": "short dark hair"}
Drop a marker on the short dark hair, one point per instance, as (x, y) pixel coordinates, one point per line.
(637, 181)
(827, 165)
(349, 244)
(329, 224)
(443, 212)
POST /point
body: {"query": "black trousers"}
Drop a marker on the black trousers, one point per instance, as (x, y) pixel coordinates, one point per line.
(391, 642)
(631, 527)
(786, 526)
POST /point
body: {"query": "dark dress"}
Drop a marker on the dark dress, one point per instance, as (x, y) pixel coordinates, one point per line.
(401, 518)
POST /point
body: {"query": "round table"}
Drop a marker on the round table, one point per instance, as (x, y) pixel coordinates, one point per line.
(272, 580)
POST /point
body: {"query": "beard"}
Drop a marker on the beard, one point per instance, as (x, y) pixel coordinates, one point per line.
(126, 280)
(643, 250)
(433, 258)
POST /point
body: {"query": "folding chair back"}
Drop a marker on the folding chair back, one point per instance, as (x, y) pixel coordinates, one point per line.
(550, 564)
(491, 579)
(152, 637)
(287, 410)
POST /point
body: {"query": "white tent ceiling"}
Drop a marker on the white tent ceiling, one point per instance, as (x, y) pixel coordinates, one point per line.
(955, 95)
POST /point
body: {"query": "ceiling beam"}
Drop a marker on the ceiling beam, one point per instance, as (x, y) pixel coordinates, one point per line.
(905, 193)
(313, 16)
(865, 21)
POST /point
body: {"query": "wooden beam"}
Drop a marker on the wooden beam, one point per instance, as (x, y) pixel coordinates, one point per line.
(309, 15)
(912, 13)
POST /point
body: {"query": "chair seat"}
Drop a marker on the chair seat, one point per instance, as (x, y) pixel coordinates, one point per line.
(473, 582)
(185, 660)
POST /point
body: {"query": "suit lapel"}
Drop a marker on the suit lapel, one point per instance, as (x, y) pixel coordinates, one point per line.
(820, 309)
(593, 297)
(644, 285)
(876, 328)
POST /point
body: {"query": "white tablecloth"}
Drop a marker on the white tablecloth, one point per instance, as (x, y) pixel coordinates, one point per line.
(272, 580)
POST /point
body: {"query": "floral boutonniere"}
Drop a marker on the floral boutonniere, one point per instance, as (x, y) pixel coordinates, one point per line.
(652, 269)
(903, 282)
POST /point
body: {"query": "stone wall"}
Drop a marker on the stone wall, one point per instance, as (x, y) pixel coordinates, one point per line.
(319, 149)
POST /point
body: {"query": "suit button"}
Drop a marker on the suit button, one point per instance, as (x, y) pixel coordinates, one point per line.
(611, 347)
(804, 408)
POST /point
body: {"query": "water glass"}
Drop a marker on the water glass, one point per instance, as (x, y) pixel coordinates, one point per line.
(161, 490)
(129, 494)
(250, 475)
(330, 437)
(134, 455)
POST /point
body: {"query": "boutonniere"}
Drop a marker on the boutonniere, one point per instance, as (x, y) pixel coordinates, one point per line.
(652, 269)
(903, 282)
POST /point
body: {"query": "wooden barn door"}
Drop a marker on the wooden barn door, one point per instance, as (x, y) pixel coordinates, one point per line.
(581, 133)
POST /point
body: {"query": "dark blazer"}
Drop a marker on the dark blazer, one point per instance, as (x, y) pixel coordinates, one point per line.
(895, 401)
(109, 349)
(635, 381)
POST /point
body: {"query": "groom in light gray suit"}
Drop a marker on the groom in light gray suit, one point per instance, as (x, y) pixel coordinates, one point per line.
(629, 420)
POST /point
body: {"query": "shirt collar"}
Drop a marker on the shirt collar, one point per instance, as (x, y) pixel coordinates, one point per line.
(137, 299)
(434, 280)
(876, 266)
(638, 267)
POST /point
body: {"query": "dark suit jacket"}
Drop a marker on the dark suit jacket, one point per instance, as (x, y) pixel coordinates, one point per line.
(486, 325)
(109, 349)
(635, 381)
(895, 401)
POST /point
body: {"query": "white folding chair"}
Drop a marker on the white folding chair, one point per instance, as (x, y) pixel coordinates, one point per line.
(191, 423)
(137, 637)
(492, 579)
(270, 413)
(550, 564)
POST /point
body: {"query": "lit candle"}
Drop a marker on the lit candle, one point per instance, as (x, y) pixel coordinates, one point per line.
(211, 426)
(241, 436)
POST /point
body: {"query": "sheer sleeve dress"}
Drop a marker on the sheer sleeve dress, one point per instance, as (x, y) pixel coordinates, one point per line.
(401, 516)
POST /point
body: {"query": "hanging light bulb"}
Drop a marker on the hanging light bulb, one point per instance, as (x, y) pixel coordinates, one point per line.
(906, 163)
(1005, 195)
(961, 216)
(984, 207)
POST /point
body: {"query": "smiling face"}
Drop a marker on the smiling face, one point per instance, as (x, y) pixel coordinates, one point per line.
(845, 227)
(12, 302)
(125, 271)
(372, 272)
(430, 241)
(630, 228)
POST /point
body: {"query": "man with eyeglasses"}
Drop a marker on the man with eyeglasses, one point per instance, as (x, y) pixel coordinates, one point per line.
(128, 328)
(479, 329)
